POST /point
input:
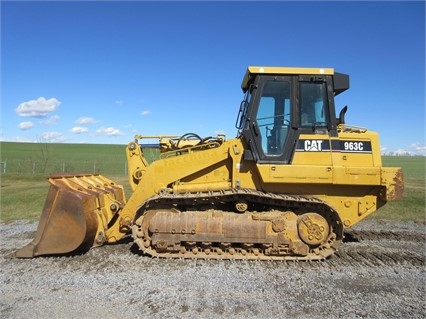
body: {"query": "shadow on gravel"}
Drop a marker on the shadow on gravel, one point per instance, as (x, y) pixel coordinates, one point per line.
(134, 249)
(350, 237)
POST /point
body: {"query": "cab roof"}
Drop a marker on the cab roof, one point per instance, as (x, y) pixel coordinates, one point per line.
(341, 81)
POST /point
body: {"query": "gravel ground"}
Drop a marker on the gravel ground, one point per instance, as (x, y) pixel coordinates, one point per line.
(378, 273)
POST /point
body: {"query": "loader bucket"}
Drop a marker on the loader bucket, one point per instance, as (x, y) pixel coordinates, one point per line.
(75, 217)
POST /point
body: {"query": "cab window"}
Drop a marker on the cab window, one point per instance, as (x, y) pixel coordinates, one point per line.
(313, 104)
(273, 116)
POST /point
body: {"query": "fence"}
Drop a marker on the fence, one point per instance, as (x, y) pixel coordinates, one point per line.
(105, 161)
(112, 167)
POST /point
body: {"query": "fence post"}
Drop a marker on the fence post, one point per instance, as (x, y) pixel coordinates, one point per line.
(94, 166)
(34, 167)
(4, 166)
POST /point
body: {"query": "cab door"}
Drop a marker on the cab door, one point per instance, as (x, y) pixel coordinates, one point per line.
(269, 120)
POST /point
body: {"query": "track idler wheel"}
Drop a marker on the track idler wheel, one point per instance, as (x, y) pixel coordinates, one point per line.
(313, 229)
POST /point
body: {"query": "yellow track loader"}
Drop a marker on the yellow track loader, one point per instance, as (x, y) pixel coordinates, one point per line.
(285, 188)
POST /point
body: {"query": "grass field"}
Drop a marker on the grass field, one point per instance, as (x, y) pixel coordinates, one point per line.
(23, 194)
(46, 158)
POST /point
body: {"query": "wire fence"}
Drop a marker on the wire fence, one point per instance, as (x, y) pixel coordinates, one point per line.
(112, 167)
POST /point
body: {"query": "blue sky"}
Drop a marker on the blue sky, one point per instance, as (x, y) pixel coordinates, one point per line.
(101, 72)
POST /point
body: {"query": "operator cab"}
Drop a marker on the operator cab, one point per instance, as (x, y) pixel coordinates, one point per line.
(280, 104)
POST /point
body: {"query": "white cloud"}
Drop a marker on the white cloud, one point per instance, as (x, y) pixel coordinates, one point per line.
(54, 137)
(23, 140)
(414, 149)
(37, 108)
(418, 148)
(51, 120)
(109, 131)
(119, 102)
(26, 125)
(145, 113)
(401, 152)
(86, 120)
(79, 129)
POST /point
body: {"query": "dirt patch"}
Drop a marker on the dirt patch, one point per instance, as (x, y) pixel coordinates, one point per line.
(378, 273)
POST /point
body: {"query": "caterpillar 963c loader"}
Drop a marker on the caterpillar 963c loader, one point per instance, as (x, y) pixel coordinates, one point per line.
(285, 188)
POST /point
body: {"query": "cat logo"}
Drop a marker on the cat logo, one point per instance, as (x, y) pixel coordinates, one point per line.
(313, 145)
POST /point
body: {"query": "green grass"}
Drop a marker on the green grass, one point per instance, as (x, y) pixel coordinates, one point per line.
(23, 193)
(22, 196)
(47, 158)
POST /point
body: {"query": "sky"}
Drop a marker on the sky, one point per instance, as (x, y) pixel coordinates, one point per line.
(104, 71)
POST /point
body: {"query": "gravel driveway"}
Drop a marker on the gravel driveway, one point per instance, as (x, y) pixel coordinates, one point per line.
(378, 273)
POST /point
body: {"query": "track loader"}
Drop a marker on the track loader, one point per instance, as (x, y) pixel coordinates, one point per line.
(285, 188)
